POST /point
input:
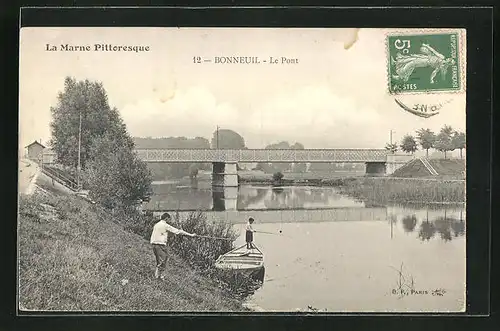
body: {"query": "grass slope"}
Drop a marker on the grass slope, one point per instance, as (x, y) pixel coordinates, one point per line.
(446, 169)
(71, 257)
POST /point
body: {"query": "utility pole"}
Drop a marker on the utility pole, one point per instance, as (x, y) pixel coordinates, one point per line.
(217, 137)
(390, 140)
(79, 149)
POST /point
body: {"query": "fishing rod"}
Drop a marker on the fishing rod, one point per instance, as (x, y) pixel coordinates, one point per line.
(209, 237)
(267, 233)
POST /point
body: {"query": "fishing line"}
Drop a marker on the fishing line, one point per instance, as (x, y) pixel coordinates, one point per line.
(274, 234)
(281, 222)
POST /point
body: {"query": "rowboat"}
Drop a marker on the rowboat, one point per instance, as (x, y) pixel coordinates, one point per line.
(241, 260)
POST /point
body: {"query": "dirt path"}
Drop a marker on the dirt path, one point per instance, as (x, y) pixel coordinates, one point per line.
(28, 171)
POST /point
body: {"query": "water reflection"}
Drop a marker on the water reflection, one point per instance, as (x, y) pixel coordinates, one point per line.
(445, 223)
(427, 230)
(305, 203)
(196, 196)
(409, 223)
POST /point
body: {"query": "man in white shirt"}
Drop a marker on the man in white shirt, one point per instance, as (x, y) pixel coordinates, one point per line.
(159, 239)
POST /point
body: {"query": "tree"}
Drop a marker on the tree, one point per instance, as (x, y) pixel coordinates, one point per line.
(444, 140)
(426, 139)
(88, 100)
(227, 139)
(277, 177)
(114, 174)
(458, 141)
(408, 144)
(393, 148)
(297, 145)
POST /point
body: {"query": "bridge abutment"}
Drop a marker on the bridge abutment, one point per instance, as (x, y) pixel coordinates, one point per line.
(393, 162)
(376, 168)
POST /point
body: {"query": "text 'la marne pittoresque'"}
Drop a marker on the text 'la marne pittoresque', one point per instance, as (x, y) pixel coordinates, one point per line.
(97, 48)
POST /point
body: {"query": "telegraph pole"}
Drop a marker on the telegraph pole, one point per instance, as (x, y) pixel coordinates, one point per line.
(217, 137)
(390, 140)
(79, 149)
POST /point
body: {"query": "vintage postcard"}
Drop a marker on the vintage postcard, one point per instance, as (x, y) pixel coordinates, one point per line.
(242, 170)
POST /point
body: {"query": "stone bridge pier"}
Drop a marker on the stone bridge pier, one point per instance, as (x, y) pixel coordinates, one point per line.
(224, 185)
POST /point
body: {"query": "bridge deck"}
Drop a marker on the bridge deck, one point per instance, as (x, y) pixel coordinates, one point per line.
(263, 155)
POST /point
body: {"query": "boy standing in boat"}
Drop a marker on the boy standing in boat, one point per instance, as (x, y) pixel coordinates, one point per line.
(249, 233)
(159, 239)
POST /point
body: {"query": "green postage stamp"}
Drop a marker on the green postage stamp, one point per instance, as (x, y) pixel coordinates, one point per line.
(427, 62)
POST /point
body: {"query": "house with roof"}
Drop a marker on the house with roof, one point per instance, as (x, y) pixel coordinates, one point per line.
(34, 150)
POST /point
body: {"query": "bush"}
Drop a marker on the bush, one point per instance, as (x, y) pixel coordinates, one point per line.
(198, 252)
(278, 176)
(202, 252)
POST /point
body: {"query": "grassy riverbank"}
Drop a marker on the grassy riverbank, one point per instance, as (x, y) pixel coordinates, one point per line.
(401, 190)
(74, 257)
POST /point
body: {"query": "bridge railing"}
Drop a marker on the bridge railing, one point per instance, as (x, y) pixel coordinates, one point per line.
(262, 155)
(59, 177)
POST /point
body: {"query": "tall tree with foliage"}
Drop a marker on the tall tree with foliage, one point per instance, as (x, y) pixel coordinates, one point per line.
(426, 139)
(458, 141)
(227, 139)
(408, 144)
(444, 141)
(393, 148)
(89, 101)
(114, 174)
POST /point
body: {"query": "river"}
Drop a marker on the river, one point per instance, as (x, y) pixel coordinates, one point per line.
(336, 254)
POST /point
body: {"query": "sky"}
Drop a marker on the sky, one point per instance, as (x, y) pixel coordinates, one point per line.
(334, 97)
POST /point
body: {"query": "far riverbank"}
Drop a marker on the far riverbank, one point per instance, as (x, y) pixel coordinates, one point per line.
(402, 190)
